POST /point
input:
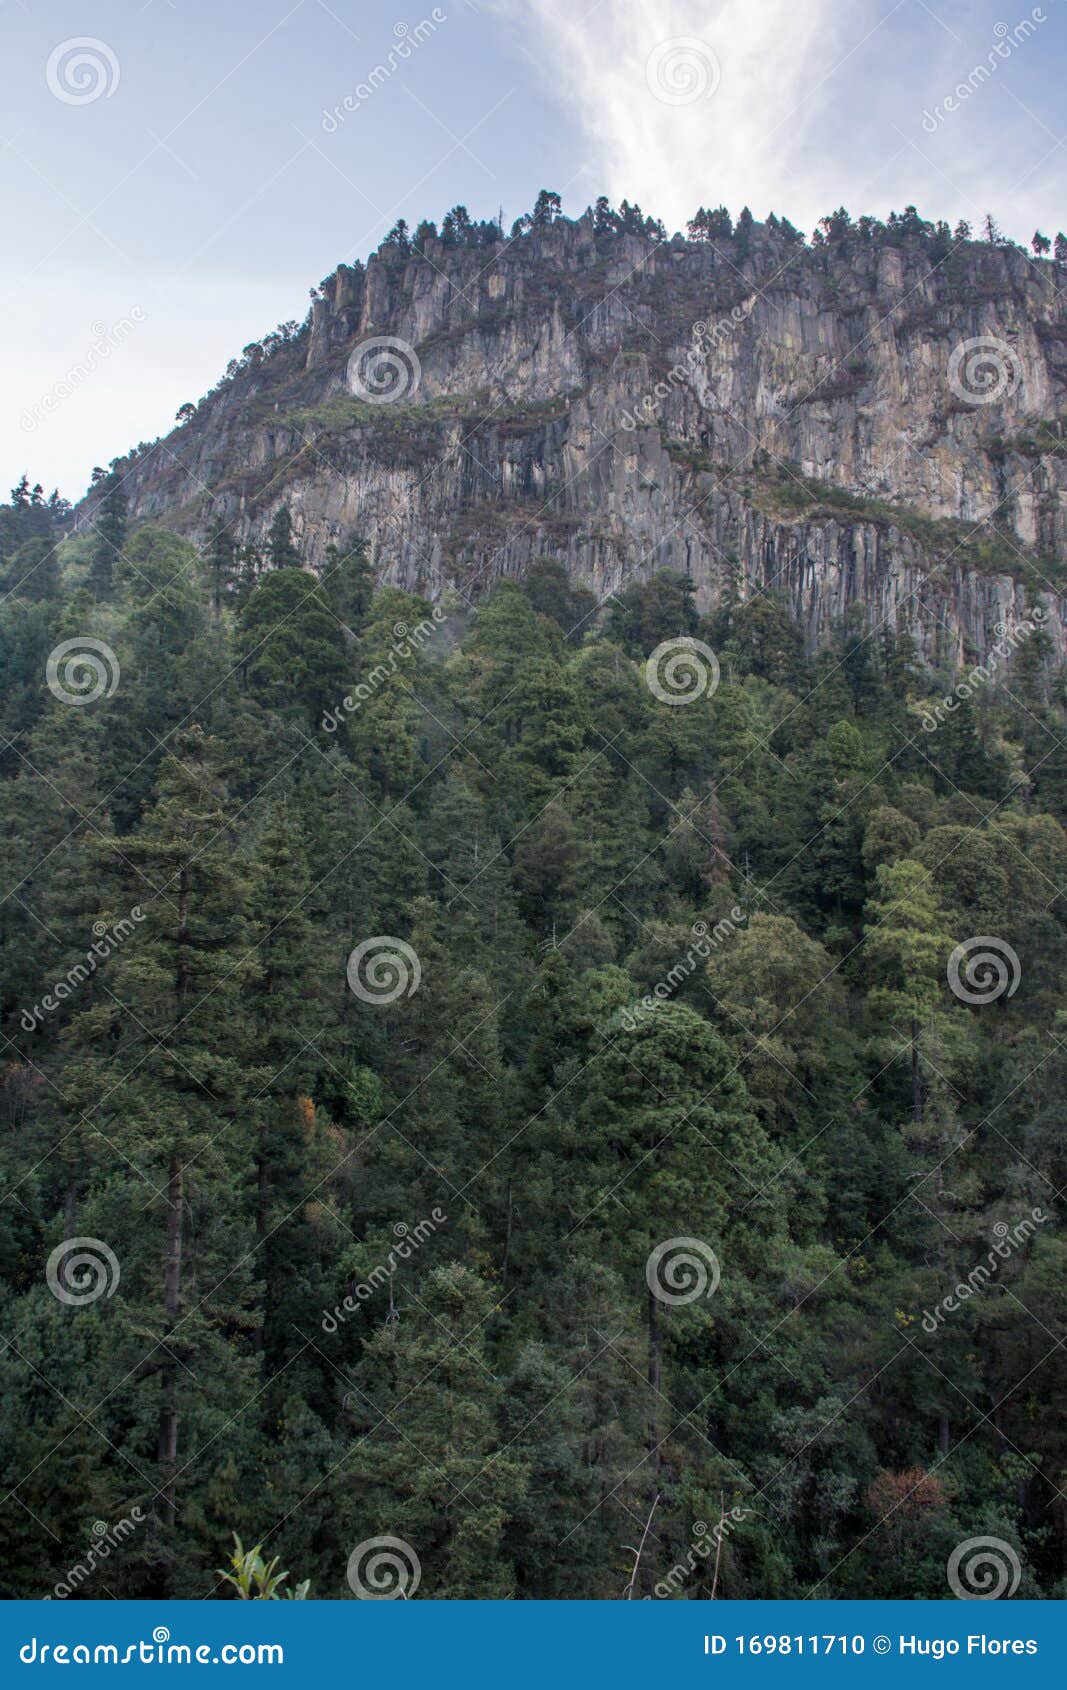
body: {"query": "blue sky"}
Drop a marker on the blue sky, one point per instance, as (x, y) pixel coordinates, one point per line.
(156, 228)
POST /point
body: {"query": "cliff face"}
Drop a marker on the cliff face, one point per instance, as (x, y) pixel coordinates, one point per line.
(810, 419)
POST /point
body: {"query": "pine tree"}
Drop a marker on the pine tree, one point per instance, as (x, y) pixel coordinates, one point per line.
(281, 550)
(291, 647)
(110, 529)
(164, 1048)
(670, 1151)
(289, 999)
(222, 567)
(448, 1483)
(907, 945)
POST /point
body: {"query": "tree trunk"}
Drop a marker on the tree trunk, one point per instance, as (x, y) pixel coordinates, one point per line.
(70, 1210)
(507, 1245)
(628, 1593)
(70, 1216)
(718, 1545)
(172, 1296)
(167, 1454)
(654, 1370)
(262, 1207)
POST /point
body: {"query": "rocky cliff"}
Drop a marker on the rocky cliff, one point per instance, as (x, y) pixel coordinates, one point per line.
(866, 419)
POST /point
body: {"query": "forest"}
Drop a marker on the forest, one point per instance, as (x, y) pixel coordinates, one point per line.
(524, 1096)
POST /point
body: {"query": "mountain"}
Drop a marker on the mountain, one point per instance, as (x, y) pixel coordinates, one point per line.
(874, 417)
(514, 1103)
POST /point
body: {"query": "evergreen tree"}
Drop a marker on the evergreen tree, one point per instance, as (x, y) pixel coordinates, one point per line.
(281, 550)
(164, 1047)
(110, 529)
(291, 646)
(222, 567)
(447, 1483)
(673, 980)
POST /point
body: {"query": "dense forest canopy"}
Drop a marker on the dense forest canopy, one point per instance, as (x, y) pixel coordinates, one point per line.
(513, 1076)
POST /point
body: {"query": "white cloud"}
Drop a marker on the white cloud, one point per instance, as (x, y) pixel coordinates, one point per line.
(807, 104)
(760, 62)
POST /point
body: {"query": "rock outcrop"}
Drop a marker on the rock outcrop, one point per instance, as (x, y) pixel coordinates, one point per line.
(814, 419)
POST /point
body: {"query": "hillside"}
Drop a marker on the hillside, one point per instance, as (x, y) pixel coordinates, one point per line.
(529, 1073)
(870, 417)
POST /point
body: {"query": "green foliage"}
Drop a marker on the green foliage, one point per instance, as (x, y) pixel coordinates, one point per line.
(387, 1267)
(256, 1580)
(290, 645)
(109, 526)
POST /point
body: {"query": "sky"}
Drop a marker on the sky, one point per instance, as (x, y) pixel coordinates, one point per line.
(176, 174)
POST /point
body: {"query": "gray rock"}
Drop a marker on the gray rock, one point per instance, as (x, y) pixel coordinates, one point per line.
(763, 389)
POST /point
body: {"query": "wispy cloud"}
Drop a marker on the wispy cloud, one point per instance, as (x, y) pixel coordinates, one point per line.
(793, 107)
(682, 103)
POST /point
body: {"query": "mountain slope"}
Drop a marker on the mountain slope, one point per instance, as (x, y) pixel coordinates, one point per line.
(872, 418)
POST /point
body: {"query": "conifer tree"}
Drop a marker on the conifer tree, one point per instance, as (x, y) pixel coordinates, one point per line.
(110, 530)
(163, 1048)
